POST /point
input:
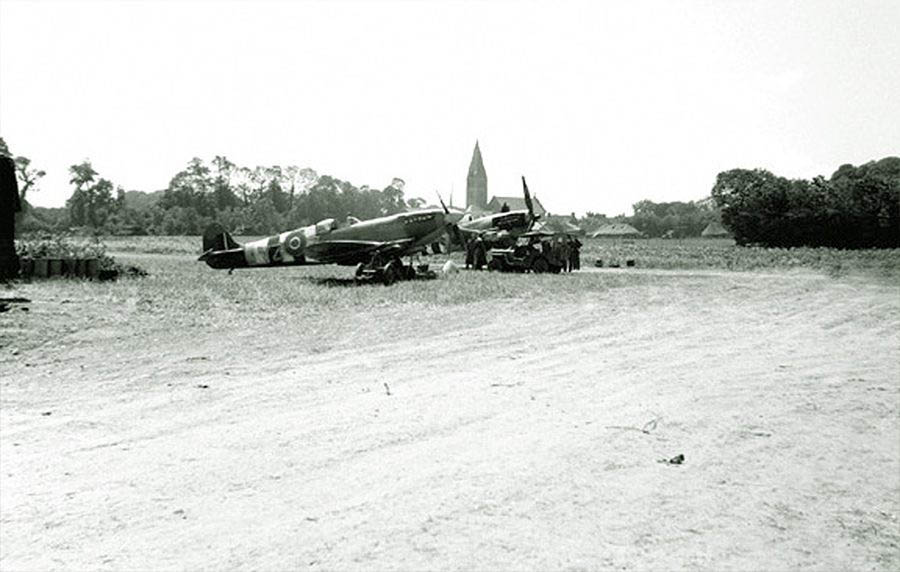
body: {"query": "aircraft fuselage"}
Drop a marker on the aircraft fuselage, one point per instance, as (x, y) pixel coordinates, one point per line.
(511, 221)
(329, 242)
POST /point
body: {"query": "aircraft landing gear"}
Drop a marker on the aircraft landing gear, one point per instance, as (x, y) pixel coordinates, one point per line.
(391, 272)
(384, 270)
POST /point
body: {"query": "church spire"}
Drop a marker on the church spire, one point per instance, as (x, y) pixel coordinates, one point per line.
(476, 181)
(476, 167)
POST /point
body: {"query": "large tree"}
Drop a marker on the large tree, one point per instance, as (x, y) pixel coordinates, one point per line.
(92, 202)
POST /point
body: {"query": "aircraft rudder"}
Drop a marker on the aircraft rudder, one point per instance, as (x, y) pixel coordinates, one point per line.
(216, 238)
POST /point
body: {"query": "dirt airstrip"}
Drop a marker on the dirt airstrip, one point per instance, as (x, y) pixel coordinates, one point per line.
(519, 432)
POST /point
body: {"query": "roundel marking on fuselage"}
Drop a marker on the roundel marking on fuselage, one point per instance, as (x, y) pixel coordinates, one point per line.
(294, 243)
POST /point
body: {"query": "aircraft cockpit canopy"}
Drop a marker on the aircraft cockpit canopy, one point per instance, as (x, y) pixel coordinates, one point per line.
(325, 226)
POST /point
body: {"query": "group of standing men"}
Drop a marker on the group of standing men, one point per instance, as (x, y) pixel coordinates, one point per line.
(569, 252)
(563, 251)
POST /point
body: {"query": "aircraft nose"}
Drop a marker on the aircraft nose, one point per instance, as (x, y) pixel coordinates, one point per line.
(453, 217)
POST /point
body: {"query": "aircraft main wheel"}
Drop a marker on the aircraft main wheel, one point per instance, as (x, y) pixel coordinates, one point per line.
(389, 274)
(539, 266)
(409, 273)
(495, 264)
(359, 270)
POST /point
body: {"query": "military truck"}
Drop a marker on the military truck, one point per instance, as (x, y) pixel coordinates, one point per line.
(534, 251)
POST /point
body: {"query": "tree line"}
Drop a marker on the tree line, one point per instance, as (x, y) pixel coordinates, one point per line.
(266, 200)
(259, 200)
(672, 219)
(249, 200)
(858, 207)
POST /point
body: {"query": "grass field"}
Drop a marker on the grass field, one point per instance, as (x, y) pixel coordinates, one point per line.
(723, 254)
(684, 254)
(286, 418)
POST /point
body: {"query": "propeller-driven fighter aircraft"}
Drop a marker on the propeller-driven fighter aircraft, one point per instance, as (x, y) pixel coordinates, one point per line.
(375, 246)
(503, 225)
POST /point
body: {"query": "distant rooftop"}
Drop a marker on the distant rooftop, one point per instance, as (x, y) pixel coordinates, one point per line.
(617, 229)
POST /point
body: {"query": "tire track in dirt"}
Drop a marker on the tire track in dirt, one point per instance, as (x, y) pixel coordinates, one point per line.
(499, 446)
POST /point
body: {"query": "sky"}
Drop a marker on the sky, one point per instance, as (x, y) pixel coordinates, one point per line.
(598, 104)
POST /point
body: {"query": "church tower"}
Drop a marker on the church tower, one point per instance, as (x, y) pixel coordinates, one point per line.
(476, 181)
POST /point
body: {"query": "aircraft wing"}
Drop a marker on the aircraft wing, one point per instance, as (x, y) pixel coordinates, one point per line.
(355, 251)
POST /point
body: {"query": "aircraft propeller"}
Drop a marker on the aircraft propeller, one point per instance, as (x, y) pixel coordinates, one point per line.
(446, 210)
(528, 202)
(452, 227)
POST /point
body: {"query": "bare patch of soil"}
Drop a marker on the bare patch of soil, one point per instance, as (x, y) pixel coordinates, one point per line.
(514, 433)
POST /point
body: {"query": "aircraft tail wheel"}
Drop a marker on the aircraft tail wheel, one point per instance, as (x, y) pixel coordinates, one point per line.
(539, 266)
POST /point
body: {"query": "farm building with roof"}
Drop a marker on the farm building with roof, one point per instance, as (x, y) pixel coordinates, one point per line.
(617, 230)
(559, 223)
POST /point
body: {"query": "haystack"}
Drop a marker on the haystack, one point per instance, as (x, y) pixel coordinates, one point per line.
(715, 230)
(617, 230)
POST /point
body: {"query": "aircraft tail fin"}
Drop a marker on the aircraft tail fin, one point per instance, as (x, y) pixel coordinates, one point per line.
(216, 238)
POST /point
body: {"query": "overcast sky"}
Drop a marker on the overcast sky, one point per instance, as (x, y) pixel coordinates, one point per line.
(598, 104)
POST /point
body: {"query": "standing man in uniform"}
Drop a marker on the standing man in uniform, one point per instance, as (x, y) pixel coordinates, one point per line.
(9, 206)
(576, 253)
(565, 253)
(480, 254)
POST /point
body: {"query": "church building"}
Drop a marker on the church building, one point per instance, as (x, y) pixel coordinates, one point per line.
(476, 191)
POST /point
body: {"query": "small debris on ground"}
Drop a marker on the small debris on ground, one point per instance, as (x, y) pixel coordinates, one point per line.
(649, 426)
(676, 460)
(450, 267)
